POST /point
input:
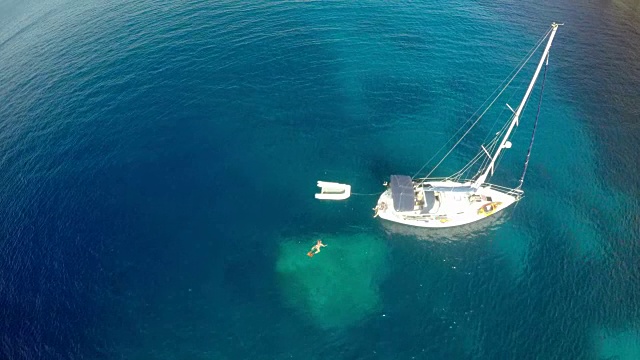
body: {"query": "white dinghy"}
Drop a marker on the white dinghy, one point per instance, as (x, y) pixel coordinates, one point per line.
(333, 191)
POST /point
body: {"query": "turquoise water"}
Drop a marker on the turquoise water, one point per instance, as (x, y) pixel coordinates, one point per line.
(159, 162)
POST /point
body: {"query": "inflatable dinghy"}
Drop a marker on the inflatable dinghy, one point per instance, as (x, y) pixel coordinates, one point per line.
(333, 191)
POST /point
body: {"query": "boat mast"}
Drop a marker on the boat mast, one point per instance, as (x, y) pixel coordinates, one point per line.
(516, 115)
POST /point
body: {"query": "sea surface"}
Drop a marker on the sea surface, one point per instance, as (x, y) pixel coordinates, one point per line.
(158, 161)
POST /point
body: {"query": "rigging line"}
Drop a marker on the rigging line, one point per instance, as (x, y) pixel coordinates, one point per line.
(511, 77)
(524, 107)
(480, 117)
(492, 145)
(522, 83)
(495, 142)
(479, 155)
(535, 126)
(491, 148)
(470, 164)
(511, 118)
(499, 159)
(361, 194)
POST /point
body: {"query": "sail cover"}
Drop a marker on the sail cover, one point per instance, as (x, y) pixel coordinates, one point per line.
(455, 189)
(402, 192)
(429, 201)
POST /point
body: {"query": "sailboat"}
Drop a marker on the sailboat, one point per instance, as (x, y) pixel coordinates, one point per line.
(454, 201)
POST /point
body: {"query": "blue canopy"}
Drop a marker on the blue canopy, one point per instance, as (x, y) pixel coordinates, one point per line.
(402, 192)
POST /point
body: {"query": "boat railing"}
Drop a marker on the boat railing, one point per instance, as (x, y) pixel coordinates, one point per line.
(506, 190)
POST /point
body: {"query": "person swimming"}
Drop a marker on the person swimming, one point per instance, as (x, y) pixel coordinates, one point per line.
(316, 248)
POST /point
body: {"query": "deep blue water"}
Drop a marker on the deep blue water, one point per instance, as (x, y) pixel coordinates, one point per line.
(158, 162)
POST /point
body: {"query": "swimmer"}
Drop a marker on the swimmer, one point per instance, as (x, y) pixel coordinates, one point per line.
(316, 248)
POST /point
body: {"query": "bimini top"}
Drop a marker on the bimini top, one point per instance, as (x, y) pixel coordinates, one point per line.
(402, 192)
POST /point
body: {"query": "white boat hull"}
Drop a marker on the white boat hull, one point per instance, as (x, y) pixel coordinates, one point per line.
(454, 209)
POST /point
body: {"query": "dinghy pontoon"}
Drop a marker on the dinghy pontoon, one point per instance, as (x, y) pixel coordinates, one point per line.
(333, 191)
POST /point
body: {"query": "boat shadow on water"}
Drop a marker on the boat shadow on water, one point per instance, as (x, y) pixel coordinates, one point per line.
(470, 231)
